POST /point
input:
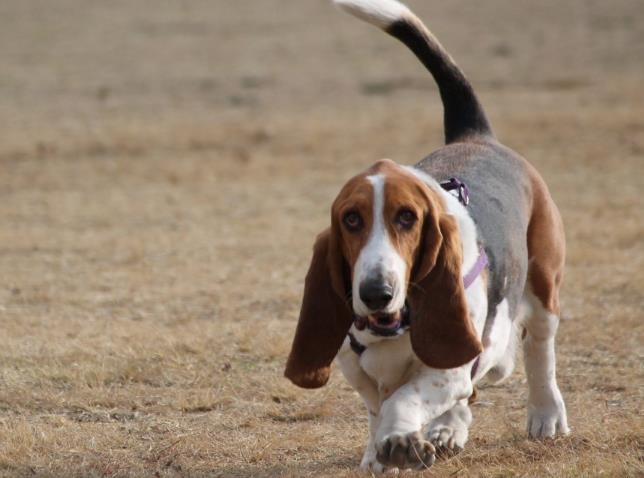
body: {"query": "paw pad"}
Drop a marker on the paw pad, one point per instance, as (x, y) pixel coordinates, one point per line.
(406, 451)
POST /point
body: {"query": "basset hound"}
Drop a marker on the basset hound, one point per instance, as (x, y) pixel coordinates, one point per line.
(428, 274)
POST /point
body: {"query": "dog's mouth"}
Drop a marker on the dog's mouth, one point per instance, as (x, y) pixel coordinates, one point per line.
(382, 323)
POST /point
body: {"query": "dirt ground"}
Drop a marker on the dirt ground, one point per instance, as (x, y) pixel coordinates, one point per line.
(165, 167)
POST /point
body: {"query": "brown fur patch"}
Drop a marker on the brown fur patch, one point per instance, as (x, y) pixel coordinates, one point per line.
(546, 245)
(324, 320)
(441, 333)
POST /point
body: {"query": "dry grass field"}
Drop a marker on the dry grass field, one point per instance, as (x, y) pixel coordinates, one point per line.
(165, 166)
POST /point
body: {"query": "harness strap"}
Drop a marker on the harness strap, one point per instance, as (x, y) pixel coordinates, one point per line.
(480, 264)
(456, 184)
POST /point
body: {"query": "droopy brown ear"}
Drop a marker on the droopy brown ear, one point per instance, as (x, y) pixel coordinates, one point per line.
(442, 335)
(325, 317)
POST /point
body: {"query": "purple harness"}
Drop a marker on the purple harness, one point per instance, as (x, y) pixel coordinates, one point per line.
(464, 198)
(480, 264)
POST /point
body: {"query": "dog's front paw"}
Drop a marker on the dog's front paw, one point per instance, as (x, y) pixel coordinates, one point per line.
(447, 440)
(406, 451)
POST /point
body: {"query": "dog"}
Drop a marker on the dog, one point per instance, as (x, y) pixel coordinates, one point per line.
(428, 274)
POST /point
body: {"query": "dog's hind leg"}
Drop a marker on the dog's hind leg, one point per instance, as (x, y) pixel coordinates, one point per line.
(546, 408)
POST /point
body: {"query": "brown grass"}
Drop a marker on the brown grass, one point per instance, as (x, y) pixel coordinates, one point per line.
(166, 167)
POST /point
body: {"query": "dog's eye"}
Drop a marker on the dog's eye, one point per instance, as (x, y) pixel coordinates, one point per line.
(353, 221)
(406, 218)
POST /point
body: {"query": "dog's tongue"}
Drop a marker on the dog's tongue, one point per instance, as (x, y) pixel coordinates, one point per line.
(381, 321)
(385, 321)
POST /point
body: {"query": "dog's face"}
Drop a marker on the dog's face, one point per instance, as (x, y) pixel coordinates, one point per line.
(391, 250)
(381, 217)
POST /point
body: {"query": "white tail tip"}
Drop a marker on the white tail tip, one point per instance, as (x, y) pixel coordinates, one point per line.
(380, 13)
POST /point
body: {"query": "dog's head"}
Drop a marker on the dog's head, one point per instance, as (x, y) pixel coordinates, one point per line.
(391, 250)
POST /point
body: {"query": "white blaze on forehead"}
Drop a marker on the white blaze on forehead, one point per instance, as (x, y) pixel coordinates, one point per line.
(379, 257)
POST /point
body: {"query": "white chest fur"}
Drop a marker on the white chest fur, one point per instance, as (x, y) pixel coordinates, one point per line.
(389, 363)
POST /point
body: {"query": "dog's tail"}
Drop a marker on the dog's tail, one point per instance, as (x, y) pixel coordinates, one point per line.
(463, 114)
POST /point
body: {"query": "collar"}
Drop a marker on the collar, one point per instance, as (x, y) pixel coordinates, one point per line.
(356, 346)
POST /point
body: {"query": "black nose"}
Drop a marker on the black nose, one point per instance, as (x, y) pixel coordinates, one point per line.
(376, 294)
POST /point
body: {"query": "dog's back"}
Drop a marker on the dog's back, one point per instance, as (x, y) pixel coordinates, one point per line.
(499, 200)
(503, 186)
